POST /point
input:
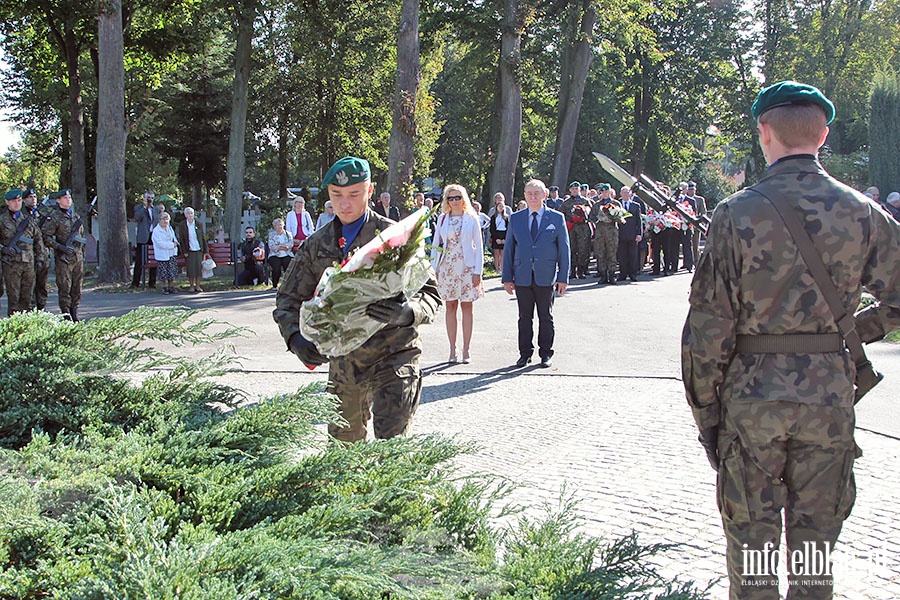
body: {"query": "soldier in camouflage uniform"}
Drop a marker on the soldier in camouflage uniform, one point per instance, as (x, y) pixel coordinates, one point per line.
(57, 231)
(606, 235)
(21, 243)
(383, 374)
(579, 229)
(42, 262)
(778, 426)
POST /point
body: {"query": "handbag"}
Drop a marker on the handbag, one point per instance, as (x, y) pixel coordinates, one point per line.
(206, 267)
(866, 375)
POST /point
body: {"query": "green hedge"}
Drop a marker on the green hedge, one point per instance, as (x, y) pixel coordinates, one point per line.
(168, 485)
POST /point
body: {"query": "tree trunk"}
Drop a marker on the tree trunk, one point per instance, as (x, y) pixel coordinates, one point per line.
(577, 59)
(643, 104)
(504, 175)
(76, 123)
(111, 134)
(282, 159)
(198, 200)
(401, 158)
(234, 194)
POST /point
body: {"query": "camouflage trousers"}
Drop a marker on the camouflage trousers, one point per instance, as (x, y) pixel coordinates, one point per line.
(580, 239)
(786, 456)
(18, 278)
(68, 282)
(40, 285)
(606, 243)
(390, 390)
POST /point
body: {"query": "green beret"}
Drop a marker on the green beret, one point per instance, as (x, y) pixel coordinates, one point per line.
(785, 93)
(52, 195)
(29, 192)
(13, 194)
(602, 187)
(347, 171)
(63, 192)
(575, 184)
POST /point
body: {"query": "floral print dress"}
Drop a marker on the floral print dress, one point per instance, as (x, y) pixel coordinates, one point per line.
(451, 285)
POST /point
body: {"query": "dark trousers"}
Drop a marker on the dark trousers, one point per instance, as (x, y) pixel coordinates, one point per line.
(252, 271)
(40, 284)
(628, 258)
(139, 267)
(687, 247)
(529, 297)
(671, 242)
(279, 265)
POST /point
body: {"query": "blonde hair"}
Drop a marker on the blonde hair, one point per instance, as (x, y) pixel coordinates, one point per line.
(796, 125)
(467, 204)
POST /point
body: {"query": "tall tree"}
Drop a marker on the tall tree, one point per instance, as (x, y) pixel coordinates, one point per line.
(244, 16)
(506, 160)
(401, 154)
(884, 132)
(111, 134)
(575, 62)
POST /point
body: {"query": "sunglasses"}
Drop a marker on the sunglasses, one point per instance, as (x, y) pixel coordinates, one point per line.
(453, 198)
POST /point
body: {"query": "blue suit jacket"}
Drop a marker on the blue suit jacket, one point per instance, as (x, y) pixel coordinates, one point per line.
(543, 261)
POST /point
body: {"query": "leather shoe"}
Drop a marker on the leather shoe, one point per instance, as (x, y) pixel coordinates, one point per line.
(546, 362)
(523, 360)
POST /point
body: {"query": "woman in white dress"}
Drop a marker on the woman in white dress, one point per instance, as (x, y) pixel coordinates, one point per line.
(165, 251)
(458, 256)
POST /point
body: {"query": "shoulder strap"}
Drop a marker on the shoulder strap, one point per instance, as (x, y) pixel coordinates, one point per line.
(845, 321)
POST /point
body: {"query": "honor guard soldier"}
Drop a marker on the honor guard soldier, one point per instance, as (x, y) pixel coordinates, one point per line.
(39, 214)
(383, 374)
(63, 233)
(21, 245)
(770, 347)
(576, 209)
(606, 235)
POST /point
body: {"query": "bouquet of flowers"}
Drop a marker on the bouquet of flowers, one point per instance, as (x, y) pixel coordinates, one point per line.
(673, 219)
(686, 223)
(616, 213)
(656, 222)
(393, 264)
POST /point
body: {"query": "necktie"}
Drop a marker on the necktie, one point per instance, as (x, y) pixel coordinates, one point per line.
(534, 226)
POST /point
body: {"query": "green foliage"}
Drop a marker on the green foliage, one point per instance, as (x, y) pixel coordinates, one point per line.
(884, 132)
(172, 487)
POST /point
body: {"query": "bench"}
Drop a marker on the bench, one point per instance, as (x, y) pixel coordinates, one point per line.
(223, 253)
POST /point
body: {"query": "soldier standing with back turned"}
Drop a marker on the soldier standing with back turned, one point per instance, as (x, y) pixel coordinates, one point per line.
(21, 244)
(775, 409)
(63, 232)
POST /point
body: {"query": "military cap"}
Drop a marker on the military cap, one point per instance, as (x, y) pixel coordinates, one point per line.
(785, 93)
(63, 192)
(575, 184)
(602, 187)
(692, 185)
(585, 186)
(347, 171)
(29, 192)
(53, 195)
(13, 194)
(553, 188)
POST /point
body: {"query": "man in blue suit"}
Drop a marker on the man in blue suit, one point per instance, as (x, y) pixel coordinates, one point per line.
(535, 265)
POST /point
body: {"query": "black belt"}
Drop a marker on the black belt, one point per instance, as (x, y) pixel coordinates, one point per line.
(795, 343)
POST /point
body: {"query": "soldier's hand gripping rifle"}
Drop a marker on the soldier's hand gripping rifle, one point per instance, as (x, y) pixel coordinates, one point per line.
(647, 190)
(67, 250)
(11, 250)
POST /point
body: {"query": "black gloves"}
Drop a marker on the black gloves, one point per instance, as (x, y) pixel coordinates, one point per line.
(70, 250)
(8, 251)
(306, 351)
(391, 312)
(63, 249)
(709, 439)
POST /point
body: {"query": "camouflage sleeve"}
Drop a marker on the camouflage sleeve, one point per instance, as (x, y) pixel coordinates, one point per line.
(48, 230)
(881, 277)
(708, 338)
(425, 303)
(297, 286)
(39, 253)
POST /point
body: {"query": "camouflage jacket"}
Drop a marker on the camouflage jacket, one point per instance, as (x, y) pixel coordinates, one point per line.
(600, 216)
(321, 250)
(752, 280)
(57, 228)
(568, 205)
(8, 228)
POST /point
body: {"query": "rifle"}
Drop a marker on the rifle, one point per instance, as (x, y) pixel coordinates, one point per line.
(647, 190)
(73, 238)
(12, 249)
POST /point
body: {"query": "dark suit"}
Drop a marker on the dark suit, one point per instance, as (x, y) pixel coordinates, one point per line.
(146, 219)
(535, 266)
(394, 212)
(628, 245)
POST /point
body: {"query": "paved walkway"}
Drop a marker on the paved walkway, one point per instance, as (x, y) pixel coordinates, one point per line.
(608, 423)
